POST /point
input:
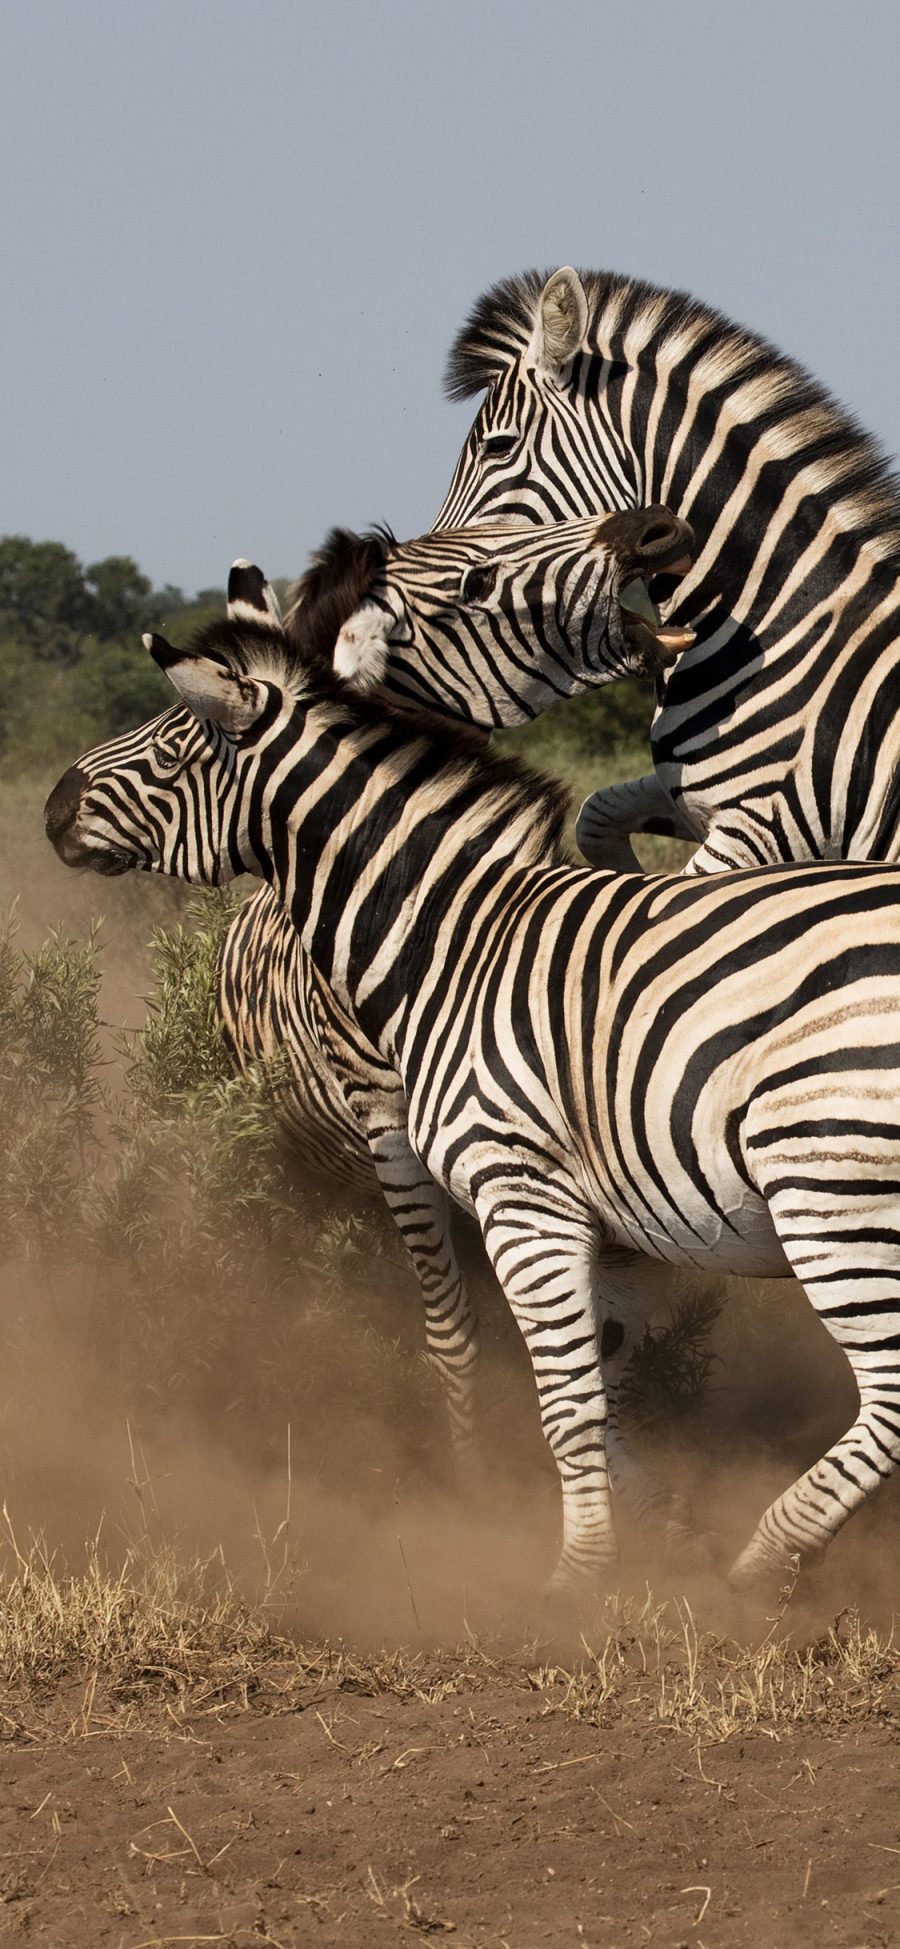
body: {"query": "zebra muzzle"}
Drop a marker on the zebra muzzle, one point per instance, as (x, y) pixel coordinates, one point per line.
(656, 644)
(60, 814)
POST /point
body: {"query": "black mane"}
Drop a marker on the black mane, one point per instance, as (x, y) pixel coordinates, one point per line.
(338, 579)
(496, 331)
(259, 649)
(811, 425)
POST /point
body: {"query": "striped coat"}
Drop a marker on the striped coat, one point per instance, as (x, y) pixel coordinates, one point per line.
(776, 736)
(614, 1074)
(490, 626)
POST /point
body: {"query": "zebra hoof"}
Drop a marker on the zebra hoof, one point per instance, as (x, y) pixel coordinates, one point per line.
(762, 1572)
(573, 1586)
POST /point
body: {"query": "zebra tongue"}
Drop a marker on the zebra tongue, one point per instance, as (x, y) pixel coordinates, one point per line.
(635, 597)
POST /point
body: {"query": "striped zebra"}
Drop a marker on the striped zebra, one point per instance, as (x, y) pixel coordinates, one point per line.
(776, 736)
(490, 627)
(615, 1074)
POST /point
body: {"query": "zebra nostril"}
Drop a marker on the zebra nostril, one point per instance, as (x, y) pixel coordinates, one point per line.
(659, 531)
(64, 801)
(641, 536)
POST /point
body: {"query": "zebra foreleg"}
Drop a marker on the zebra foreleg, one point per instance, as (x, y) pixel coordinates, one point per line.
(608, 817)
(545, 1260)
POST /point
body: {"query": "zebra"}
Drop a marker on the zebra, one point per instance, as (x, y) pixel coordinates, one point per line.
(775, 736)
(450, 619)
(494, 624)
(615, 1074)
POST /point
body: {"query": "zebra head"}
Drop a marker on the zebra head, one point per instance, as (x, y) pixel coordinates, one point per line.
(543, 446)
(494, 623)
(175, 796)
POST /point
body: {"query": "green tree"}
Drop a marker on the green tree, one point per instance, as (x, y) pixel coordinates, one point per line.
(43, 600)
(120, 598)
(117, 686)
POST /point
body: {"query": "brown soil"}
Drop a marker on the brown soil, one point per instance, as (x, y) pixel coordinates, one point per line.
(481, 1812)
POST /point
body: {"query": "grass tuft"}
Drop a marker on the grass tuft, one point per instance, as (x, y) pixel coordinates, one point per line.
(156, 1633)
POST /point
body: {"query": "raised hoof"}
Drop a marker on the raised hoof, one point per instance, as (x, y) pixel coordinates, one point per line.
(764, 1575)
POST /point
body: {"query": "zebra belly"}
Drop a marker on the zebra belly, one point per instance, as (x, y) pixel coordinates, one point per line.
(740, 1242)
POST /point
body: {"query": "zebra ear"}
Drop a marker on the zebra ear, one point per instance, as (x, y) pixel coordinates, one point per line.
(561, 322)
(212, 691)
(360, 653)
(250, 596)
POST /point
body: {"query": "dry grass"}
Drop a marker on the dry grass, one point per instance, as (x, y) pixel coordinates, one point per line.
(153, 1634)
(654, 1661)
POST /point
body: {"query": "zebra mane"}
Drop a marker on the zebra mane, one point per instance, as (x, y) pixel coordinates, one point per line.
(461, 753)
(338, 579)
(496, 332)
(630, 319)
(249, 647)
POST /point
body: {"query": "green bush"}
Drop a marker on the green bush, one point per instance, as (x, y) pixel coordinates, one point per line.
(181, 1048)
(49, 1090)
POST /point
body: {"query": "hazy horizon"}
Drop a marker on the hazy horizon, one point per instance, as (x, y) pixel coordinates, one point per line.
(241, 240)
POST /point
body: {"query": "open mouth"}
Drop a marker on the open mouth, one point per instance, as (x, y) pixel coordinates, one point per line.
(109, 864)
(92, 859)
(661, 643)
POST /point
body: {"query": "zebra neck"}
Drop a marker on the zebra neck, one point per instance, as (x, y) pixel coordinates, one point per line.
(790, 535)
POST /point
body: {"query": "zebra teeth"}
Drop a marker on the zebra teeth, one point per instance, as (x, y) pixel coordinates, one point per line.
(635, 597)
(676, 640)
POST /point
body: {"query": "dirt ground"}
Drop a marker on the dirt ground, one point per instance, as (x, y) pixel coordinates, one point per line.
(483, 1814)
(475, 1804)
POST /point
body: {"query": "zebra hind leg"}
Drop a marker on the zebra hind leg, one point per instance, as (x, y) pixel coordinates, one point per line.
(421, 1213)
(854, 1285)
(632, 1289)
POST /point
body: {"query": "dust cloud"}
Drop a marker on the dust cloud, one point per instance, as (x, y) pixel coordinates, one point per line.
(346, 1522)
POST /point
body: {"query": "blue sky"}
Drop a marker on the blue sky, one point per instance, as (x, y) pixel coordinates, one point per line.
(238, 239)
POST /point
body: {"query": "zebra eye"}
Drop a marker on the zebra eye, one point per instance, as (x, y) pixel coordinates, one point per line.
(495, 445)
(478, 582)
(168, 756)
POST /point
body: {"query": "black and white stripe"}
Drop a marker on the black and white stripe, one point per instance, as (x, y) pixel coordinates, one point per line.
(776, 736)
(490, 627)
(494, 624)
(345, 1110)
(615, 1074)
